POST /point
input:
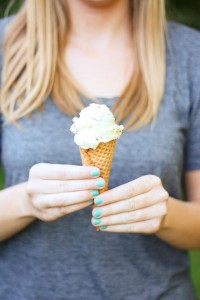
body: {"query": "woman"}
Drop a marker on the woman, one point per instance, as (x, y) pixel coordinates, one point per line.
(59, 56)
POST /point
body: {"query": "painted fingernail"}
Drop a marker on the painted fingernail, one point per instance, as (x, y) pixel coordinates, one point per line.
(96, 213)
(100, 183)
(98, 201)
(95, 172)
(91, 201)
(97, 221)
(95, 193)
(103, 227)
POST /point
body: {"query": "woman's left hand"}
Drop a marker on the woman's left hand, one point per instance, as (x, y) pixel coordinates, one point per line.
(138, 206)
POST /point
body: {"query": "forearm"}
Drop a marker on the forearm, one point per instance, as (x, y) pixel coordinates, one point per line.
(181, 226)
(14, 211)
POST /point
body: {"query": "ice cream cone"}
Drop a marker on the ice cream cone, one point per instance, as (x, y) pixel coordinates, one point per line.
(95, 132)
(101, 157)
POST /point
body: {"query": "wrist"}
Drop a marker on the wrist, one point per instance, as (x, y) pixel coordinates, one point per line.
(173, 219)
(25, 203)
(166, 222)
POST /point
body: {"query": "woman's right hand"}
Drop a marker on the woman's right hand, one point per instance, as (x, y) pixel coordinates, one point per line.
(57, 190)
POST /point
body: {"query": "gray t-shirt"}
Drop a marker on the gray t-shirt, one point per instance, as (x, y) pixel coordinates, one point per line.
(68, 259)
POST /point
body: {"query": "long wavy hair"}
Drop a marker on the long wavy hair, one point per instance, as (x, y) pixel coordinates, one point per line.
(34, 64)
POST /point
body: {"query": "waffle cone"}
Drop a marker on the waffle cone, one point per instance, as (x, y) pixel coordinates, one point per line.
(101, 157)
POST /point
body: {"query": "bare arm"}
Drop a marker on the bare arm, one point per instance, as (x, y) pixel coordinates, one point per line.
(181, 226)
(14, 211)
(144, 206)
(51, 192)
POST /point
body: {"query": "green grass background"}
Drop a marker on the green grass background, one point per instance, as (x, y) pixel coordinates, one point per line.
(183, 11)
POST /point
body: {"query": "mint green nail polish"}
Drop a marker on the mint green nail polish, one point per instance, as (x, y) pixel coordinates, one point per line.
(98, 201)
(97, 221)
(95, 172)
(94, 193)
(103, 227)
(96, 213)
(91, 201)
(100, 183)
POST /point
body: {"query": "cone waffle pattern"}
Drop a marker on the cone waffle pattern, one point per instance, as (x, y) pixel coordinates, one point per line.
(101, 157)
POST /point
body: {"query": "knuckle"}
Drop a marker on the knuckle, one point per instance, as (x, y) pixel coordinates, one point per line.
(35, 202)
(129, 191)
(110, 220)
(148, 181)
(131, 204)
(130, 228)
(165, 195)
(153, 179)
(161, 209)
(30, 187)
(63, 186)
(109, 210)
(64, 171)
(154, 225)
(64, 210)
(161, 193)
(58, 200)
(84, 195)
(32, 171)
(88, 184)
(130, 218)
(35, 169)
(54, 200)
(50, 217)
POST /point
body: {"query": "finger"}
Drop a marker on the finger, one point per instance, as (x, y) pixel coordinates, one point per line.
(155, 211)
(62, 199)
(54, 213)
(128, 190)
(63, 172)
(38, 186)
(132, 204)
(145, 227)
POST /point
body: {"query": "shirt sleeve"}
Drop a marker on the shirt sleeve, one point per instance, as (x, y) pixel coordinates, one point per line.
(192, 145)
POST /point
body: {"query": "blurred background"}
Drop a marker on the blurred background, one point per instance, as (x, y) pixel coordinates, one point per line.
(183, 11)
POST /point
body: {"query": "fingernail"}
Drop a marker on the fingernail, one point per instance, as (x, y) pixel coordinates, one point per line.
(103, 227)
(91, 201)
(94, 193)
(100, 183)
(96, 213)
(95, 172)
(97, 221)
(98, 201)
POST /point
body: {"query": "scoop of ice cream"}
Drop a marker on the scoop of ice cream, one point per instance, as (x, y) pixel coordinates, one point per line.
(94, 125)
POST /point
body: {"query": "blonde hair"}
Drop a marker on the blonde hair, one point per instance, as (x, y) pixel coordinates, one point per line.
(34, 65)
